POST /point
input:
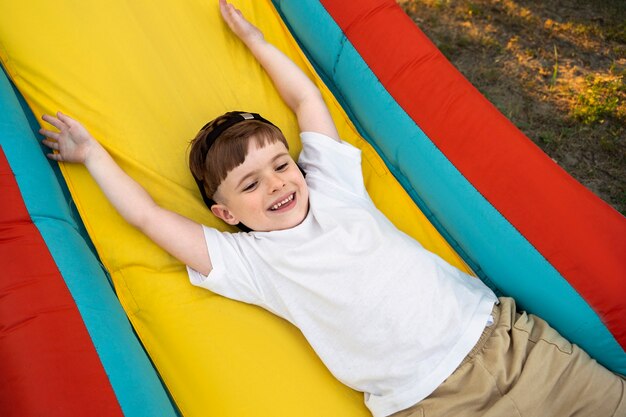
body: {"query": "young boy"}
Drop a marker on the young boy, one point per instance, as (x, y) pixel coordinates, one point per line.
(387, 317)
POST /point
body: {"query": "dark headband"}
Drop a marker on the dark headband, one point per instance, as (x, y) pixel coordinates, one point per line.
(232, 120)
(213, 135)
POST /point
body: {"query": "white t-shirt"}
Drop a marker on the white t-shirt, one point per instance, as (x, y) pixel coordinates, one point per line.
(386, 316)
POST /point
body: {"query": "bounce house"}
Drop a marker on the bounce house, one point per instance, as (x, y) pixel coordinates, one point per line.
(96, 320)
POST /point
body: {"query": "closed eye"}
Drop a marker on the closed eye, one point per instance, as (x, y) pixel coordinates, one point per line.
(250, 186)
(282, 167)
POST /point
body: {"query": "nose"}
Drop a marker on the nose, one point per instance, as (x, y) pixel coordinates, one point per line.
(275, 182)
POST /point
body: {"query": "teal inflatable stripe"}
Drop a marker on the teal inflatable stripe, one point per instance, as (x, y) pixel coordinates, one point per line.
(134, 380)
(505, 259)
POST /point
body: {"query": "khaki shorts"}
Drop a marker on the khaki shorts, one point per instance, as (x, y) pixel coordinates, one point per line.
(522, 367)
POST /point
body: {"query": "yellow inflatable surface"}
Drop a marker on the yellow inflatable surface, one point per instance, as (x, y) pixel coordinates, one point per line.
(143, 76)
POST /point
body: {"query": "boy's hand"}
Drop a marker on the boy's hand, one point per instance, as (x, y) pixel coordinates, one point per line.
(72, 142)
(245, 30)
(294, 86)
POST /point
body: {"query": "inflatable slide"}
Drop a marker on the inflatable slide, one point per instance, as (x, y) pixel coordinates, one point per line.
(97, 320)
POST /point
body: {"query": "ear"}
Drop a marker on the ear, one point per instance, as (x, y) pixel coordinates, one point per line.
(224, 213)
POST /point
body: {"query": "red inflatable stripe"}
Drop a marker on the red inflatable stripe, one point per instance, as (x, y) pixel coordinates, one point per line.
(48, 364)
(580, 235)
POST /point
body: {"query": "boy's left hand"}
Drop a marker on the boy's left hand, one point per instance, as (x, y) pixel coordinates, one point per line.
(240, 26)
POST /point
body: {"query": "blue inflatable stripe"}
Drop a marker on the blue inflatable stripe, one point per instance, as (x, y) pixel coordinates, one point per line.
(134, 380)
(513, 266)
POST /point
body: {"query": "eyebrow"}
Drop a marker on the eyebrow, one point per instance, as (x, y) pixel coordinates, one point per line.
(254, 172)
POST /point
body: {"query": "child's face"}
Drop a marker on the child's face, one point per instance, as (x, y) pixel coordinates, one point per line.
(266, 192)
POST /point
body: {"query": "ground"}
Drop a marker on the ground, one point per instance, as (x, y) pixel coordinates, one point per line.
(556, 69)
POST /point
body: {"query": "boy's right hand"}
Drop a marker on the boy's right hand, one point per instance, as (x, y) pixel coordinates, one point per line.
(72, 142)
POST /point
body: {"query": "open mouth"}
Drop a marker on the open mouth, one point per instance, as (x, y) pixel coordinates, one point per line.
(284, 204)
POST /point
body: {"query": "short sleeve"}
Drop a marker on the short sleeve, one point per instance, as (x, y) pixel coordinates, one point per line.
(335, 162)
(231, 275)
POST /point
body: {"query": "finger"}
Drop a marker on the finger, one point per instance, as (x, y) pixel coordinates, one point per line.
(51, 144)
(65, 118)
(227, 15)
(55, 157)
(231, 10)
(50, 134)
(224, 8)
(54, 121)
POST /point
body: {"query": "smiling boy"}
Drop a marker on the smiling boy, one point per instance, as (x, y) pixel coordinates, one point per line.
(388, 318)
(243, 162)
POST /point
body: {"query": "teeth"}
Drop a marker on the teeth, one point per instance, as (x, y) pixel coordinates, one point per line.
(285, 201)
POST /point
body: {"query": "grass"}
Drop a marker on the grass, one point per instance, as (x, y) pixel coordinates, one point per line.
(555, 69)
(602, 98)
(555, 72)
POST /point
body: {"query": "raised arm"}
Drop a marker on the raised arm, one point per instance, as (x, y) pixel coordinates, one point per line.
(296, 89)
(178, 235)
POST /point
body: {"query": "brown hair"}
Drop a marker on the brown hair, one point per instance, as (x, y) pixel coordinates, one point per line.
(211, 166)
